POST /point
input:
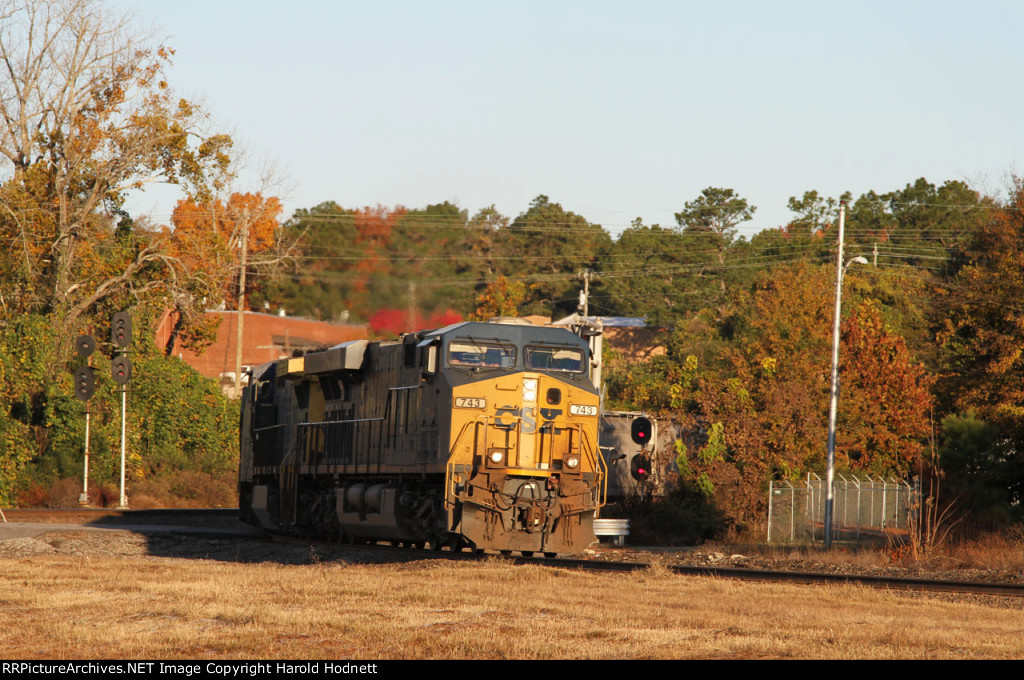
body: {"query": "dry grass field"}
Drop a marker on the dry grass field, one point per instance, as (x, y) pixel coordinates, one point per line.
(139, 606)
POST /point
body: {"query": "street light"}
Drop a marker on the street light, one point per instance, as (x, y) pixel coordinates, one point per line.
(834, 404)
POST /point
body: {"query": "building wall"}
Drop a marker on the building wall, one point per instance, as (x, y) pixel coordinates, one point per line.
(265, 337)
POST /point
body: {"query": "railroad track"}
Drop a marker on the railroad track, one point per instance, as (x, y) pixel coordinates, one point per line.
(815, 578)
(202, 517)
(738, 573)
(115, 516)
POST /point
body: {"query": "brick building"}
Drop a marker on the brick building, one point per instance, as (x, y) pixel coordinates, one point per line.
(265, 337)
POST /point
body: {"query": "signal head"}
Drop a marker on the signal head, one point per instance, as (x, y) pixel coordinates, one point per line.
(85, 383)
(642, 430)
(121, 329)
(85, 345)
(640, 467)
(121, 370)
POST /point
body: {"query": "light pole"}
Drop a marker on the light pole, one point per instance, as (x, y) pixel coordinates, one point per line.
(834, 404)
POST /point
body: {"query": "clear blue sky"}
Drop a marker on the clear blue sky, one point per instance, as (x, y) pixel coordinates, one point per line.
(615, 110)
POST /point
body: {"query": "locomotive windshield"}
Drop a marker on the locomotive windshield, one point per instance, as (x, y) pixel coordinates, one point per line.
(473, 353)
(555, 359)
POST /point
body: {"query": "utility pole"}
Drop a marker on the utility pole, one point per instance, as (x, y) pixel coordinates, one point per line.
(584, 305)
(833, 408)
(241, 304)
(412, 307)
(591, 330)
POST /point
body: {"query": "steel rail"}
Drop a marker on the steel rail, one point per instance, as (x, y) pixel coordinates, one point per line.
(90, 515)
(112, 515)
(802, 577)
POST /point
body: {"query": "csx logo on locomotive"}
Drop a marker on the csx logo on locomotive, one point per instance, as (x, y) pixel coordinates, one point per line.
(476, 435)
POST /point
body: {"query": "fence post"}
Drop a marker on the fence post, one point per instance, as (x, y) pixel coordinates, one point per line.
(792, 512)
(812, 507)
(896, 512)
(885, 499)
(846, 495)
(859, 506)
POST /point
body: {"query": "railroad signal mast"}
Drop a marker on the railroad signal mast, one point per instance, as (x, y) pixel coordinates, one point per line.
(121, 372)
(85, 385)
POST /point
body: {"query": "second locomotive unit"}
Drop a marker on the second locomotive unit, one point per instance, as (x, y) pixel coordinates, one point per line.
(480, 435)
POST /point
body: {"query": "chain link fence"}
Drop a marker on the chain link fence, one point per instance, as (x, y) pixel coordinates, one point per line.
(862, 506)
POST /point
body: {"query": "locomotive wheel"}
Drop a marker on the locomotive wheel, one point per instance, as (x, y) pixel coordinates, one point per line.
(527, 553)
(550, 555)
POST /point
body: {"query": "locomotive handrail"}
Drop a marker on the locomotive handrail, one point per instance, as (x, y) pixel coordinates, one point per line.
(449, 465)
(349, 420)
(269, 427)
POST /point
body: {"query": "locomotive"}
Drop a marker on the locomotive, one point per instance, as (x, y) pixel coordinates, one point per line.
(477, 435)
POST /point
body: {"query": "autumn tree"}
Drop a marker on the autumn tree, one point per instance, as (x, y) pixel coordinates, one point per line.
(755, 406)
(87, 118)
(981, 334)
(501, 298)
(208, 237)
(215, 240)
(887, 404)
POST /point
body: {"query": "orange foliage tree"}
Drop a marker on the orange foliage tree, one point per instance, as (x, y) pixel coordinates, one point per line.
(374, 227)
(87, 117)
(208, 238)
(756, 407)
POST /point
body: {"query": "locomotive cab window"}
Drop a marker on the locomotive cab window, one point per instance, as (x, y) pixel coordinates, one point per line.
(480, 354)
(565, 359)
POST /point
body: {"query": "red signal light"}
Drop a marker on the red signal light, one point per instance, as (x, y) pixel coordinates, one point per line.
(640, 430)
(640, 467)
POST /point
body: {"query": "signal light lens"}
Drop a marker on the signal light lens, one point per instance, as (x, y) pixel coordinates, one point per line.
(641, 430)
(640, 467)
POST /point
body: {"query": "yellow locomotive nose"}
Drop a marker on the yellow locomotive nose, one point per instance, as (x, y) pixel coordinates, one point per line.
(513, 426)
(525, 463)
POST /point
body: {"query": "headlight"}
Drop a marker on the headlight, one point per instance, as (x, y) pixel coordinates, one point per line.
(530, 389)
(571, 462)
(496, 457)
